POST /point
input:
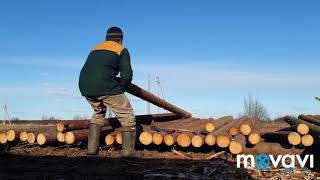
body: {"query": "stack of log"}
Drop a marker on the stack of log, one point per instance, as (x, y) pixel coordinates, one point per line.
(303, 132)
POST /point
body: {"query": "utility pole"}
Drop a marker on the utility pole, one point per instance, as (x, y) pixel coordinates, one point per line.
(158, 87)
(149, 89)
(6, 115)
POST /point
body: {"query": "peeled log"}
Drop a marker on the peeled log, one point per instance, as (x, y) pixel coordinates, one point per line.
(283, 137)
(210, 140)
(3, 138)
(235, 147)
(223, 130)
(309, 119)
(223, 141)
(184, 140)
(254, 138)
(197, 141)
(147, 96)
(307, 140)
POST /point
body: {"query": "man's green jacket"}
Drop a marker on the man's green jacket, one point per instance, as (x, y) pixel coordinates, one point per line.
(98, 75)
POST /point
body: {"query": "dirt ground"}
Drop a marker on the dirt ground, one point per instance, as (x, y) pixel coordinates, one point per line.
(71, 162)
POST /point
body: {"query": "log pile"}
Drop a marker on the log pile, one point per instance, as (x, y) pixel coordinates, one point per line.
(161, 131)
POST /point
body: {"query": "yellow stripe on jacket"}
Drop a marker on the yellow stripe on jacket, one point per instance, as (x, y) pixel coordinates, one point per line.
(110, 46)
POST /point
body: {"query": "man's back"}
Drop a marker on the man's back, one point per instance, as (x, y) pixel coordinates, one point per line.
(98, 75)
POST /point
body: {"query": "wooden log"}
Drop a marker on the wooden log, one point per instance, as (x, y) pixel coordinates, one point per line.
(284, 137)
(11, 135)
(72, 137)
(317, 117)
(110, 139)
(210, 127)
(145, 138)
(60, 137)
(314, 129)
(235, 147)
(233, 131)
(70, 125)
(223, 141)
(23, 136)
(223, 130)
(307, 140)
(245, 129)
(119, 137)
(210, 139)
(3, 138)
(31, 138)
(309, 119)
(157, 138)
(169, 139)
(197, 141)
(300, 128)
(145, 95)
(184, 140)
(254, 138)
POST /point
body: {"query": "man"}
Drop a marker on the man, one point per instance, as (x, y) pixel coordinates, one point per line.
(102, 89)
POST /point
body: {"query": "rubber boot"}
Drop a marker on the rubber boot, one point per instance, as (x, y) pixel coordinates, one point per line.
(128, 143)
(94, 138)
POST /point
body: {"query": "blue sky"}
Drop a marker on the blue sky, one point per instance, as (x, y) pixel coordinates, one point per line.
(209, 55)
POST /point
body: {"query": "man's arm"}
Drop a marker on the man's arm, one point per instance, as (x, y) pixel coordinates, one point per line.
(125, 69)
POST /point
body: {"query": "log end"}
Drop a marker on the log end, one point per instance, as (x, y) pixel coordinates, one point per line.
(11, 135)
(145, 138)
(157, 138)
(307, 140)
(119, 138)
(69, 138)
(233, 131)
(254, 138)
(60, 127)
(245, 129)
(184, 140)
(60, 137)
(197, 141)
(210, 140)
(41, 139)
(31, 138)
(168, 140)
(23, 136)
(235, 147)
(3, 138)
(109, 139)
(210, 127)
(223, 141)
(303, 129)
(294, 138)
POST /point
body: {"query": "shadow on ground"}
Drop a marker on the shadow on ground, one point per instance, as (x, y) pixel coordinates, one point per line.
(14, 166)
